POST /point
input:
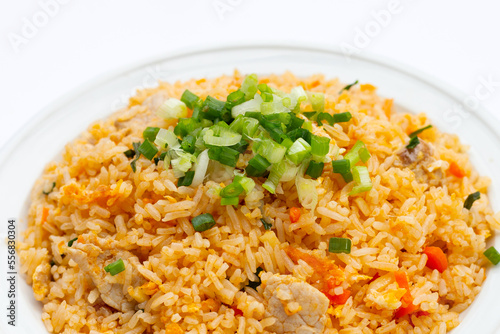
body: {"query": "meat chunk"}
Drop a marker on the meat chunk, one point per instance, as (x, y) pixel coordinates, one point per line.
(423, 161)
(297, 306)
(95, 254)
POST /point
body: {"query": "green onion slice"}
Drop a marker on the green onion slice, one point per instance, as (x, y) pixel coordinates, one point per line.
(148, 149)
(186, 180)
(232, 190)
(150, 133)
(471, 199)
(267, 226)
(362, 179)
(348, 86)
(315, 169)
(492, 255)
(189, 99)
(70, 243)
(414, 141)
(339, 245)
(115, 268)
(234, 201)
(203, 222)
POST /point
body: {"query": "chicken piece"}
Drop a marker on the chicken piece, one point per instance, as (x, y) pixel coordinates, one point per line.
(41, 279)
(95, 254)
(422, 160)
(297, 306)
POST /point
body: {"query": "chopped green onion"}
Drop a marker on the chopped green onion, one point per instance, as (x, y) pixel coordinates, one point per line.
(70, 243)
(241, 146)
(353, 154)
(317, 101)
(201, 168)
(150, 133)
(324, 116)
(295, 122)
(364, 155)
(307, 126)
(115, 268)
(129, 153)
(277, 171)
(287, 142)
(300, 133)
(182, 163)
(414, 141)
(342, 117)
(225, 155)
(232, 190)
(290, 172)
(266, 92)
(52, 188)
(299, 150)
(257, 166)
(310, 114)
(234, 99)
(315, 169)
(226, 138)
(419, 131)
(188, 144)
(189, 99)
(137, 155)
(320, 146)
(234, 201)
(343, 167)
(492, 255)
(249, 86)
(267, 226)
(166, 138)
(247, 183)
(274, 107)
(339, 245)
(172, 108)
(255, 284)
(271, 150)
(186, 126)
(203, 222)
(362, 180)
(471, 199)
(348, 86)
(212, 108)
(186, 180)
(306, 191)
(297, 95)
(148, 149)
(245, 107)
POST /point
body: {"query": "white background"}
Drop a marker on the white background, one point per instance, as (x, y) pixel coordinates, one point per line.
(45, 55)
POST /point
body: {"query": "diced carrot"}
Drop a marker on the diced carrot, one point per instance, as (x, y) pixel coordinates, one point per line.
(237, 311)
(436, 259)
(338, 299)
(456, 170)
(367, 87)
(402, 280)
(45, 214)
(422, 313)
(402, 311)
(387, 106)
(294, 214)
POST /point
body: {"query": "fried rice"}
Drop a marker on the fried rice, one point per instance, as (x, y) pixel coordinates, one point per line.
(177, 280)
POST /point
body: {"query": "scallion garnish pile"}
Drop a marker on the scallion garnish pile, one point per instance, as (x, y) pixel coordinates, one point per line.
(259, 120)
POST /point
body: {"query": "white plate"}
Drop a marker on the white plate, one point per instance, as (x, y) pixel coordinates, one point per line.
(24, 158)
